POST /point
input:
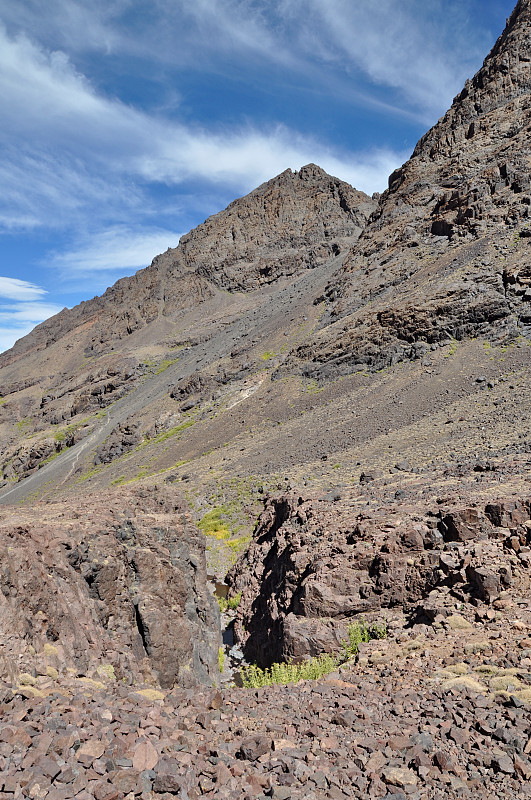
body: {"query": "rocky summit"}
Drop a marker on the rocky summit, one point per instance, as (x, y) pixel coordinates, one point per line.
(313, 414)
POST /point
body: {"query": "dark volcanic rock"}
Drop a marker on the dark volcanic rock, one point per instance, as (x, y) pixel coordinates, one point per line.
(119, 582)
(314, 565)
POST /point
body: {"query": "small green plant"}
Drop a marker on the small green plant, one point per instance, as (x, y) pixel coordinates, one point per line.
(232, 603)
(221, 659)
(359, 632)
(24, 424)
(452, 349)
(268, 355)
(286, 672)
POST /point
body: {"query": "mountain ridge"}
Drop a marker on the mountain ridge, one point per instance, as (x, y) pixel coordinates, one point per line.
(318, 405)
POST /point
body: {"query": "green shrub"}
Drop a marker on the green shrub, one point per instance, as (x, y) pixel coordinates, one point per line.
(286, 672)
(254, 678)
(231, 603)
(359, 632)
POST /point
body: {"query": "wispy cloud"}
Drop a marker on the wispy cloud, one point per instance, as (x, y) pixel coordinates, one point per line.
(118, 248)
(22, 306)
(15, 289)
(425, 51)
(92, 151)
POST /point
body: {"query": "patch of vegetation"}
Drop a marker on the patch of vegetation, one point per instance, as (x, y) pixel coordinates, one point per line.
(213, 525)
(359, 632)
(229, 603)
(49, 458)
(287, 672)
(156, 367)
(221, 659)
(162, 437)
(452, 350)
(268, 355)
(164, 364)
(254, 678)
(62, 435)
(312, 387)
(24, 424)
(89, 474)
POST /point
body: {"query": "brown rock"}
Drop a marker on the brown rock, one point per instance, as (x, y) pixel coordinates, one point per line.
(255, 746)
(90, 750)
(145, 755)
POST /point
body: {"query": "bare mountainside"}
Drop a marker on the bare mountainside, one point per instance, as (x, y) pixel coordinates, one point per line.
(305, 334)
(336, 390)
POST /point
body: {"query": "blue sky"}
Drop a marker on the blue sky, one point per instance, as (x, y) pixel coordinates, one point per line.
(126, 123)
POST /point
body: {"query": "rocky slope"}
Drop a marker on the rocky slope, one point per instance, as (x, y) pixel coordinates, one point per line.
(294, 222)
(114, 586)
(192, 306)
(317, 563)
(447, 253)
(355, 369)
(429, 713)
(305, 280)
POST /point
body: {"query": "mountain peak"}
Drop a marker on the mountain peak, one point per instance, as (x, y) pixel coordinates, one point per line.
(471, 171)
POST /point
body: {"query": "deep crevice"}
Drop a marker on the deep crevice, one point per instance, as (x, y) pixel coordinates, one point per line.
(144, 634)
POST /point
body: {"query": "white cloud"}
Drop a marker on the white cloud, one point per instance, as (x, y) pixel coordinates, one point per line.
(247, 158)
(422, 49)
(118, 248)
(91, 151)
(15, 289)
(23, 311)
(408, 46)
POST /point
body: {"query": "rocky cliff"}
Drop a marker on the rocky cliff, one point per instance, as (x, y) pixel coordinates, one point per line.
(294, 222)
(317, 564)
(447, 252)
(113, 588)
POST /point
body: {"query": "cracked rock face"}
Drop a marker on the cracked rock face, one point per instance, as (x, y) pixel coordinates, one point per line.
(317, 564)
(294, 222)
(117, 582)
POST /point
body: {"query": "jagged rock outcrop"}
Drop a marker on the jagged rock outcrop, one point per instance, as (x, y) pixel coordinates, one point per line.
(446, 254)
(291, 223)
(315, 564)
(112, 583)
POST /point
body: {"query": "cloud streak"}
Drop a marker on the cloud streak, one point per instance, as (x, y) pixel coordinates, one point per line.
(47, 179)
(118, 248)
(424, 51)
(15, 289)
(22, 306)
